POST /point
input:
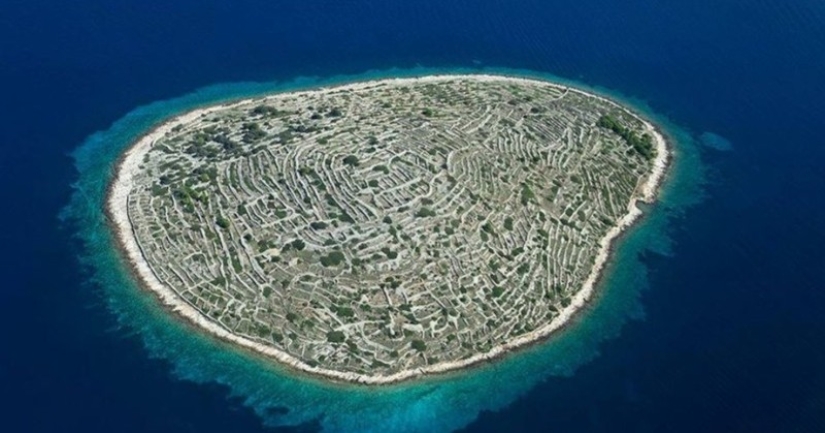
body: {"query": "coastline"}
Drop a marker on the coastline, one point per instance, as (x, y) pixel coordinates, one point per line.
(121, 183)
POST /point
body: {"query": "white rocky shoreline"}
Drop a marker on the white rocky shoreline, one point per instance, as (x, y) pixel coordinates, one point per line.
(122, 183)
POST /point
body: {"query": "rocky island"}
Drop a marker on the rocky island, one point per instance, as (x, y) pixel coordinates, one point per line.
(379, 231)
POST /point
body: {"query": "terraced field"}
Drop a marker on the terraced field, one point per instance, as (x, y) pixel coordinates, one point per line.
(383, 228)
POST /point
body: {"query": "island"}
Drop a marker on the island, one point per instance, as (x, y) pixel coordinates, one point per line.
(380, 231)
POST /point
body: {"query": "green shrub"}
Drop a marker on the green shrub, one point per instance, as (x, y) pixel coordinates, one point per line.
(222, 222)
(642, 145)
(425, 212)
(318, 225)
(508, 223)
(419, 345)
(336, 337)
(334, 258)
(351, 160)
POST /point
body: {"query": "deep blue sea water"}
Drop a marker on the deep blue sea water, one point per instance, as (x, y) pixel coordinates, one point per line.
(712, 319)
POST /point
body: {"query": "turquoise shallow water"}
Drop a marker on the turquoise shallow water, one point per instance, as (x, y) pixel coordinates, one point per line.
(282, 397)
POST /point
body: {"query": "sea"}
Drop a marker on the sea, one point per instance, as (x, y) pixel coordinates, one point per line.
(710, 318)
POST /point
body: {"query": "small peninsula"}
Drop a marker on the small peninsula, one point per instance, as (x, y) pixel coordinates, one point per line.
(379, 231)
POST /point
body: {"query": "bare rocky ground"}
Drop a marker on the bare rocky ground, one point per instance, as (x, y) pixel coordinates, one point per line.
(379, 229)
